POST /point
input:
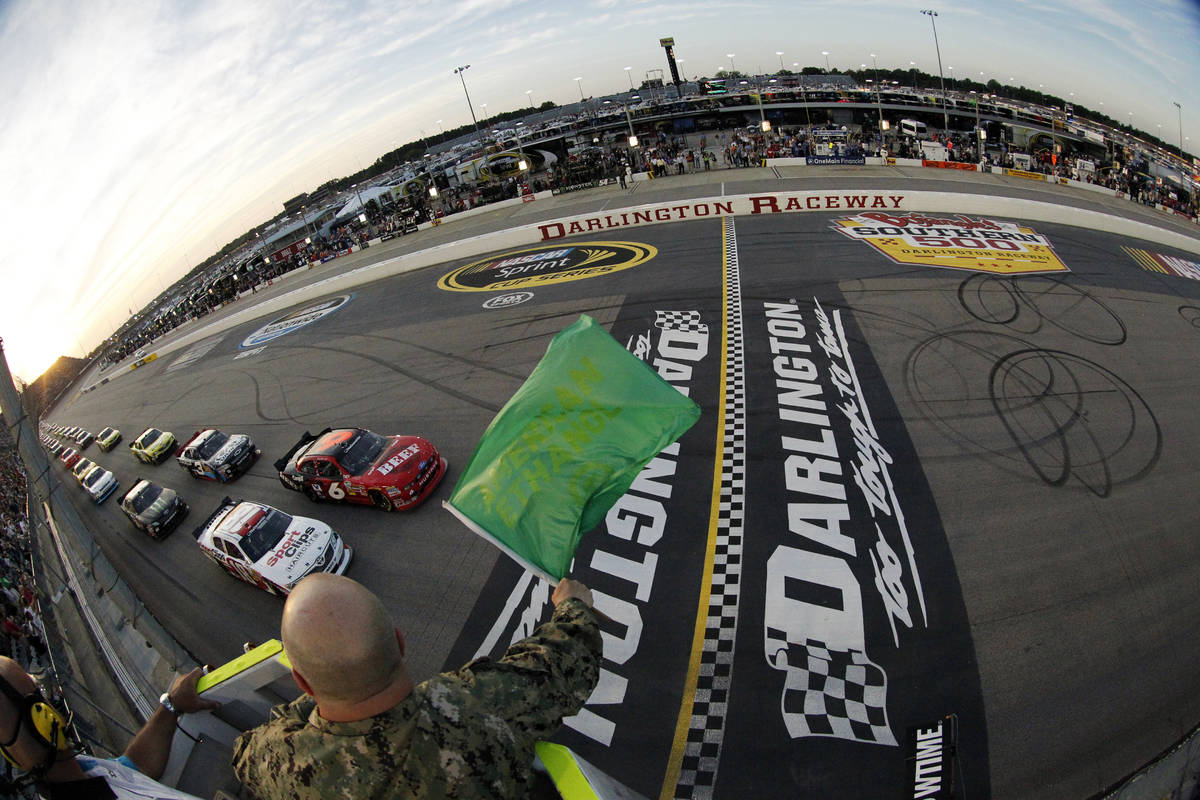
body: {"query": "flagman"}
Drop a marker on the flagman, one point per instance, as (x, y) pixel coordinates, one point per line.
(363, 728)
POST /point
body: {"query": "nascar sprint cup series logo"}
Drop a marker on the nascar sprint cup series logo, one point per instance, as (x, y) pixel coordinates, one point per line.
(958, 242)
(539, 266)
(295, 320)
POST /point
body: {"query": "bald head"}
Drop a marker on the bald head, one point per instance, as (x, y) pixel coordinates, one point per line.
(340, 638)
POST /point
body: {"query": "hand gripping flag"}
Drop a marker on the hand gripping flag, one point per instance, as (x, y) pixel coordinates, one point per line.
(565, 448)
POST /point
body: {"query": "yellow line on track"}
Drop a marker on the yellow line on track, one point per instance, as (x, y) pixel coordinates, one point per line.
(688, 698)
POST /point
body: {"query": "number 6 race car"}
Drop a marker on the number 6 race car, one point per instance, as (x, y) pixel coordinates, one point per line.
(214, 456)
(265, 547)
(357, 466)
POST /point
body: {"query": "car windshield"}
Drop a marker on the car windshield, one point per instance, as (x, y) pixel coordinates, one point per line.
(145, 497)
(92, 477)
(104, 434)
(362, 452)
(265, 535)
(211, 445)
(150, 436)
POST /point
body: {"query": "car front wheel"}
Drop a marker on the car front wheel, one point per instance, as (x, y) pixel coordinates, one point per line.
(381, 502)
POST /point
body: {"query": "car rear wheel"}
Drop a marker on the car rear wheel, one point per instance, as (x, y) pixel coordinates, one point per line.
(381, 502)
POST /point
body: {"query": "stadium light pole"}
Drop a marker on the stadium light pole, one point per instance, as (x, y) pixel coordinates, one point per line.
(780, 54)
(945, 114)
(459, 72)
(826, 54)
(803, 94)
(1179, 109)
(878, 97)
(529, 97)
(732, 68)
(629, 75)
(978, 132)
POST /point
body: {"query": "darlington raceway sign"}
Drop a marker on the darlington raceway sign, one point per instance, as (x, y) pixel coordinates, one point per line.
(750, 204)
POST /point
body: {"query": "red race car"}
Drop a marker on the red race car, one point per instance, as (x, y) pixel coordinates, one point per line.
(357, 466)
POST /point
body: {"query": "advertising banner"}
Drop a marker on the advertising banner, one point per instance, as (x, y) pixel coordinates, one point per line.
(818, 161)
(969, 167)
(1020, 173)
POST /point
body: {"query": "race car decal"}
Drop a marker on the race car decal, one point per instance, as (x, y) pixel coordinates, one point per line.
(291, 546)
(398, 459)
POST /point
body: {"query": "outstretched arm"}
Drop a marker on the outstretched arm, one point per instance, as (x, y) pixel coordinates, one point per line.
(151, 746)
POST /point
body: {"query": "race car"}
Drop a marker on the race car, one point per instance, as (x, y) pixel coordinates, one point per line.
(153, 446)
(84, 439)
(107, 439)
(81, 468)
(99, 483)
(268, 548)
(357, 466)
(152, 508)
(69, 457)
(215, 456)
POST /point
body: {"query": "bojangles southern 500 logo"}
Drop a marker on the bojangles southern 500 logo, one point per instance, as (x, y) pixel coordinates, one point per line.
(539, 266)
(957, 242)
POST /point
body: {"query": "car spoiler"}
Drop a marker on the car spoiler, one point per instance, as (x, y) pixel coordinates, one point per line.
(281, 464)
(225, 503)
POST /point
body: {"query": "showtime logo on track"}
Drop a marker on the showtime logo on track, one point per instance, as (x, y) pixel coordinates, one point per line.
(958, 242)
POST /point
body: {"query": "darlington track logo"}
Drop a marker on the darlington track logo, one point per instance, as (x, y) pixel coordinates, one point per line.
(978, 245)
(540, 266)
(294, 321)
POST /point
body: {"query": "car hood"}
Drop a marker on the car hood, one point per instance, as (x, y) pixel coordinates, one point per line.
(233, 446)
(160, 505)
(298, 553)
(403, 455)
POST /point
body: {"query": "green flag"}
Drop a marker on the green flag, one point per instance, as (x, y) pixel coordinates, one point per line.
(566, 446)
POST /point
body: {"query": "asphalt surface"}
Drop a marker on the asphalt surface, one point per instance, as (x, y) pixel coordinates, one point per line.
(967, 497)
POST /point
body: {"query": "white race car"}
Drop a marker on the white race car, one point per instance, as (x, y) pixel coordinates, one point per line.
(215, 456)
(266, 547)
(99, 483)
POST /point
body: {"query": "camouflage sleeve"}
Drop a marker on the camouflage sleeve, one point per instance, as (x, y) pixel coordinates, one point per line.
(252, 749)
(548, 675)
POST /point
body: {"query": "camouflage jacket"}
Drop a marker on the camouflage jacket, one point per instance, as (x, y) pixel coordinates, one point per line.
(462, 734)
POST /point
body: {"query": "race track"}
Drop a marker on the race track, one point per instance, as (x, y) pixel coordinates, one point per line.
(917, 495)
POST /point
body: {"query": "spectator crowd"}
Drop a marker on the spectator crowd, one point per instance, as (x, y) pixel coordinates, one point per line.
(22, 635)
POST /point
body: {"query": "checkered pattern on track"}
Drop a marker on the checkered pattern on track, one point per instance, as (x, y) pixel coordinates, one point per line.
(835, 693)
(680, 321)
(702, 753)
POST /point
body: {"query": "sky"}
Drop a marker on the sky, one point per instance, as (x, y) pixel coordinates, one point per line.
(137, 137)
